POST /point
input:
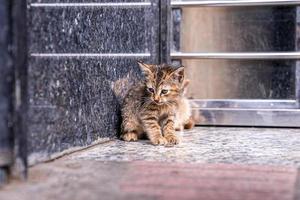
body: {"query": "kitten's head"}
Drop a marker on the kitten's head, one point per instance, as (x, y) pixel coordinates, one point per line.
(163, 82)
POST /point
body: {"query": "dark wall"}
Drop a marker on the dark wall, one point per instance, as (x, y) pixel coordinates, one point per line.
(6, 88)
(13, 101)
(75, 99)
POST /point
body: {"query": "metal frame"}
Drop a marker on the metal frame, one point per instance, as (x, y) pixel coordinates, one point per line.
(248, 112)
(92, 5)
(248, 117)
(165, 31)
(20, 56)
(176, 4)
(244, 104)
(239, 56)
(6, 91)
(91, 55)
(297, 88)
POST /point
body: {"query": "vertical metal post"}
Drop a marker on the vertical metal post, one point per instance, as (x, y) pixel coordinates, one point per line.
(19, 55)
(297, 65)
(13, 94)
(6, 90)
(297, 82)
(165, 31)
(153, 21)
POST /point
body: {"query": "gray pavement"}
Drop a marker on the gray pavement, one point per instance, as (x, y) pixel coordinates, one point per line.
(210, 163)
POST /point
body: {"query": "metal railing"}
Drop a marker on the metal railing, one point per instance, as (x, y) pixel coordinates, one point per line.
(234, 3)
(235, 55)
(93, 5)
(239, 55)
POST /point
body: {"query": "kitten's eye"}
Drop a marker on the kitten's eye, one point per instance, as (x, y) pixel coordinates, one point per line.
(164, 91)
(151, 90)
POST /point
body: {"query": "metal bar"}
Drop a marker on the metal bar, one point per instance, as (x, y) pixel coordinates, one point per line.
(152, 19)
(21, 93)
(165, 31)
(92, 5)
(243, 103)
(297, 83)
(297, 47)
(204, 3)
(251, 109)
(239, 55)
(101, 55)
(6, 91)
(248, 117)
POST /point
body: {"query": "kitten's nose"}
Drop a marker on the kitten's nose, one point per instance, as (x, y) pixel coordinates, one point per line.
(156, 100)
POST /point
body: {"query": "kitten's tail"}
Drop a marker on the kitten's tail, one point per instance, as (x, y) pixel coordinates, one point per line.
(190, 124)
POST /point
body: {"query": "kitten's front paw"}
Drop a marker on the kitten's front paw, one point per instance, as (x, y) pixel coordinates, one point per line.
(159, 140)
(172, 139)
(130, 137)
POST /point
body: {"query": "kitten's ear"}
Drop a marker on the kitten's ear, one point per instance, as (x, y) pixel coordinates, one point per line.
(178, 74)
(145, 68)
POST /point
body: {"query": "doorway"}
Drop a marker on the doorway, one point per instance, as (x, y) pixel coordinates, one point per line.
(241, 58)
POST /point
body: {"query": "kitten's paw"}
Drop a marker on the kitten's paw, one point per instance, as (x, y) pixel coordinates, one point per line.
(172, 139)
(130, 137)
(159, 140)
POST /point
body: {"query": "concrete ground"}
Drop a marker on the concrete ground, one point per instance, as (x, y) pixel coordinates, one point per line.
(210, 163)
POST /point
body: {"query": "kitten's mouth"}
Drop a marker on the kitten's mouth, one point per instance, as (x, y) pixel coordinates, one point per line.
(158, 103)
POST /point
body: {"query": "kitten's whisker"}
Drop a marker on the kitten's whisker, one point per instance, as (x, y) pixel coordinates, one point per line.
(168, 104)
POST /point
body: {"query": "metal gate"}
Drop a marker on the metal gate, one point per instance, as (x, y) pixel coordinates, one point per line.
(279, 105)
(79, 66)
(13, 99)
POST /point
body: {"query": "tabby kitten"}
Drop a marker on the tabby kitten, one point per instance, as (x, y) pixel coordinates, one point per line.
(150, 107)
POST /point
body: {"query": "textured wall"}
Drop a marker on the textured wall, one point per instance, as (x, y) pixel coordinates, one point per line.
(6, 87)
(74, 99)
(13, 54)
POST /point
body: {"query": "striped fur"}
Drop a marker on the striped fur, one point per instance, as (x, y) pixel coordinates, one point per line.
(150, 107)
